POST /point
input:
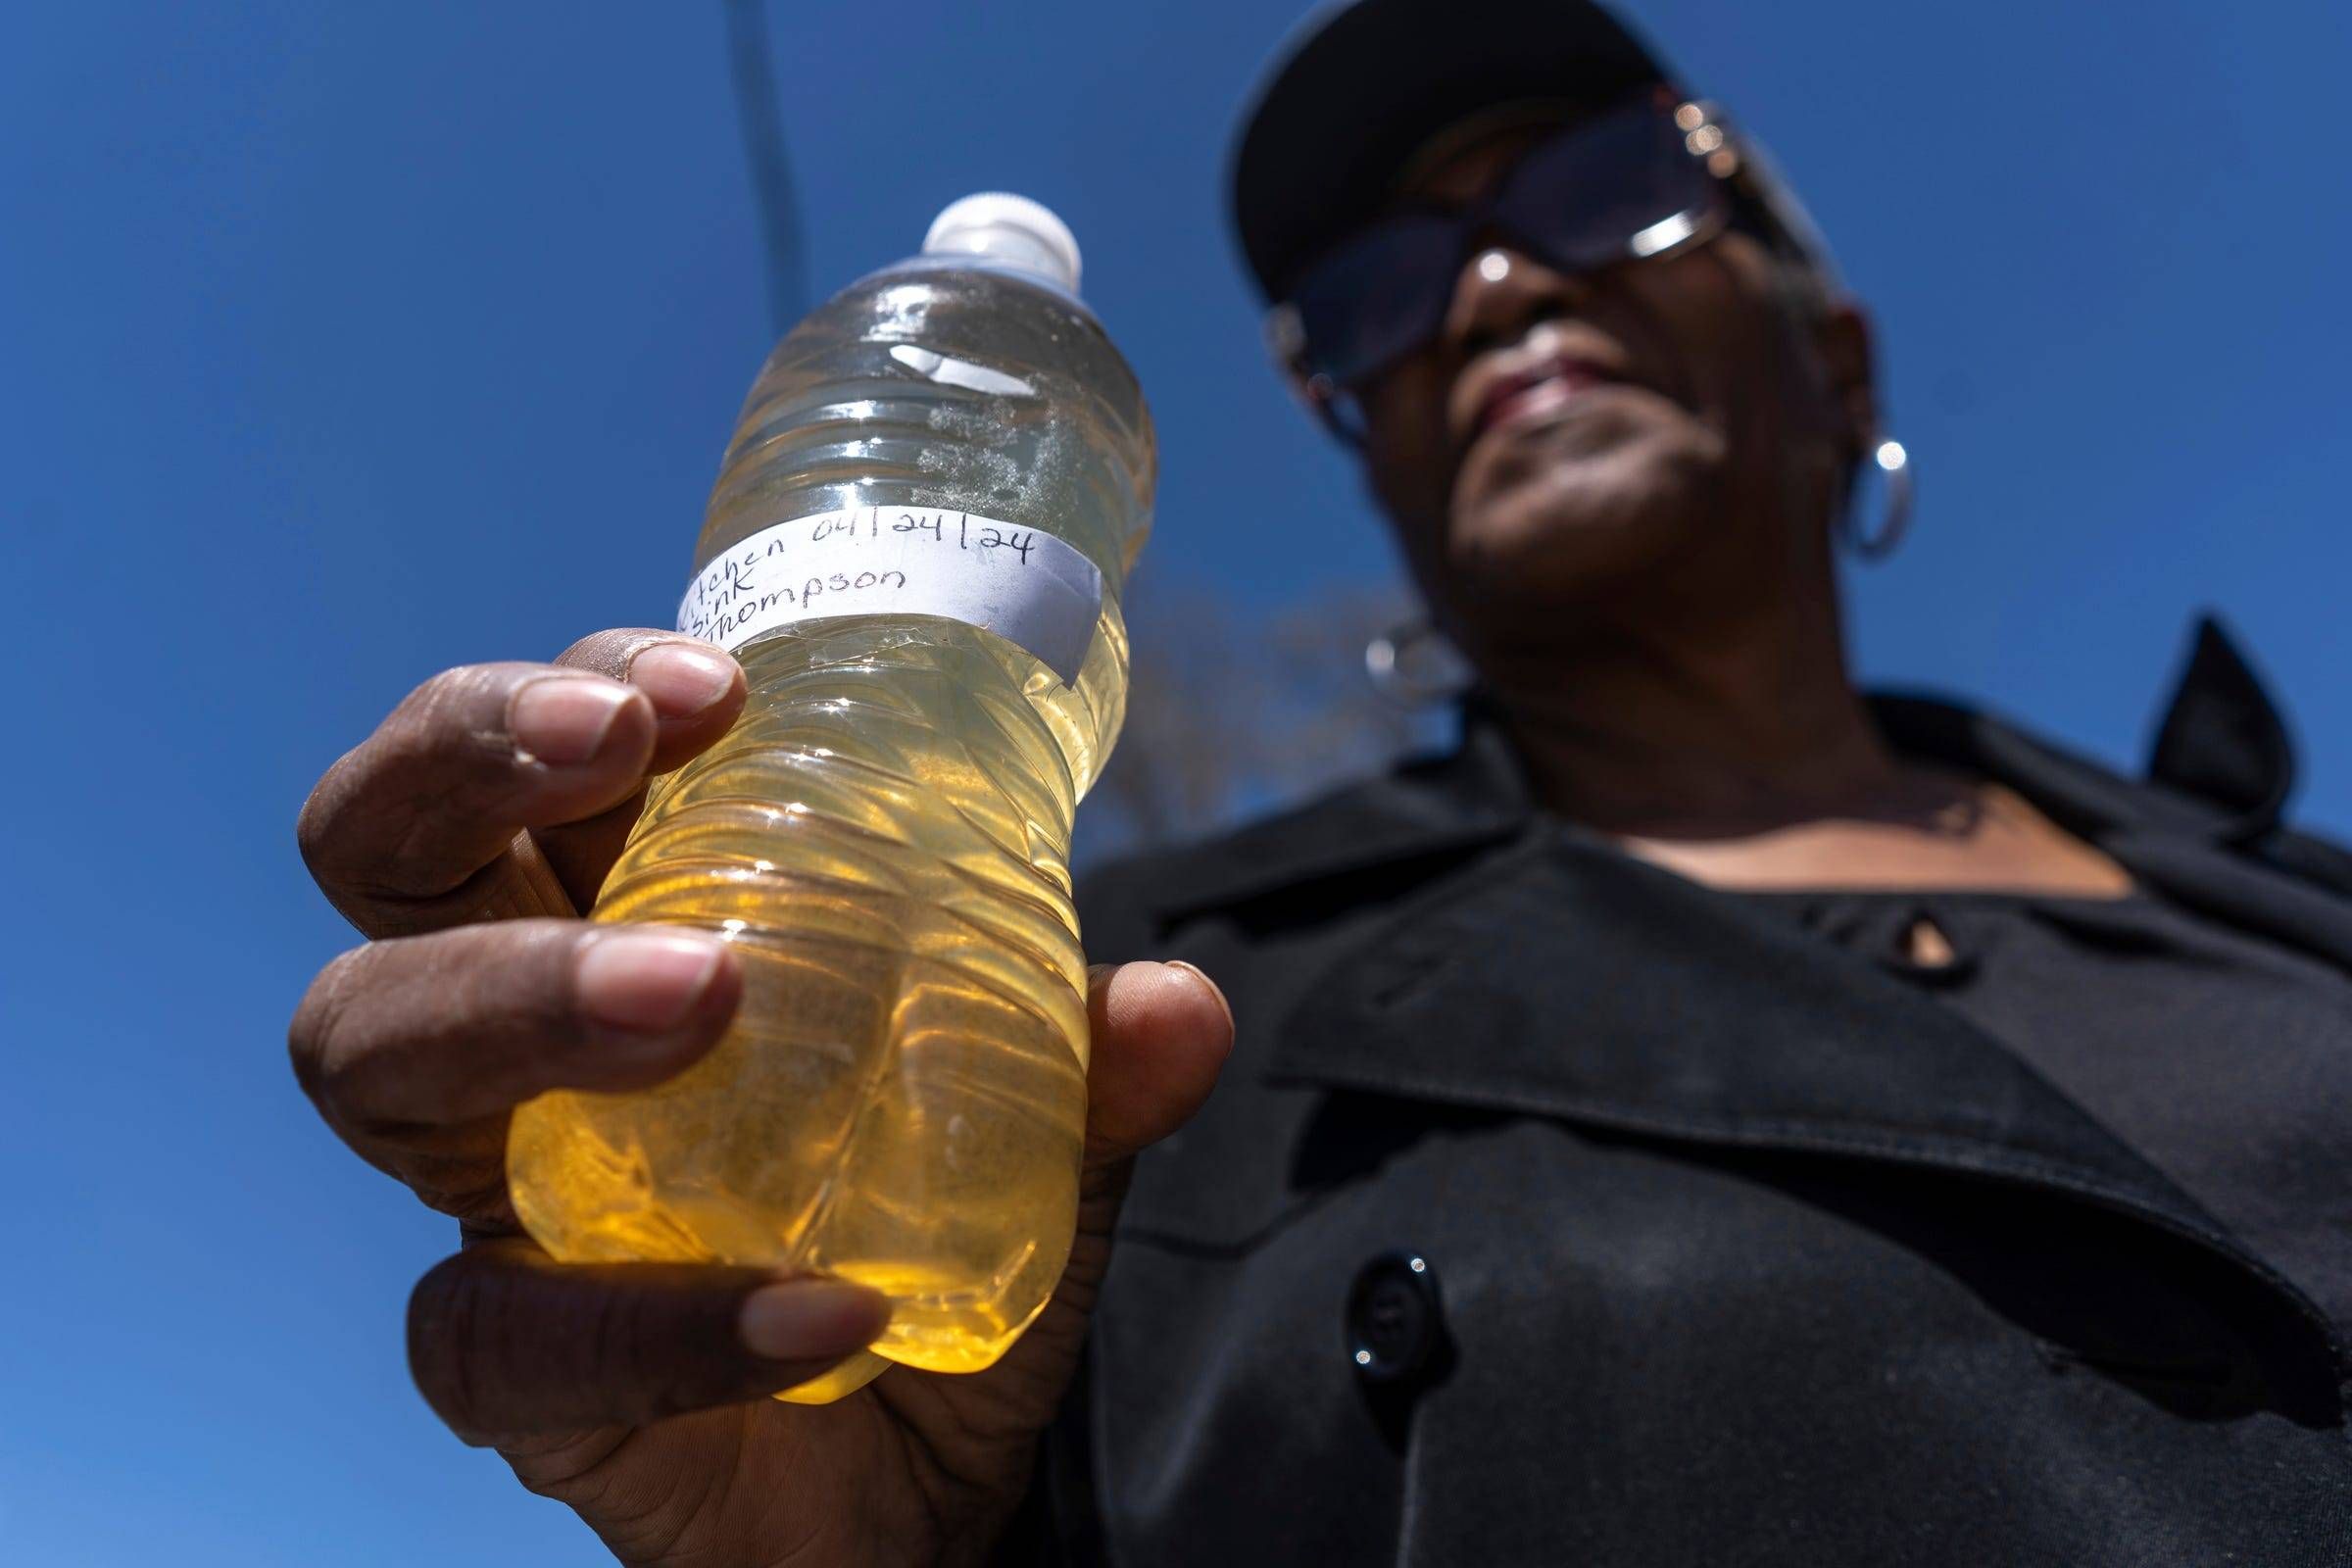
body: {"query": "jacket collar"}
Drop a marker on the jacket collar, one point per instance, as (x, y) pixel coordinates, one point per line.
(2220, 774)
(2201, 829)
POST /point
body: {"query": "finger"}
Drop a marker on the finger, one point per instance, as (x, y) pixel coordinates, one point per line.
(410, 830)
(696, 688)
(505, 1343)
(676, 674)
(415, 829)
(1161, 1032)
(414, 1049)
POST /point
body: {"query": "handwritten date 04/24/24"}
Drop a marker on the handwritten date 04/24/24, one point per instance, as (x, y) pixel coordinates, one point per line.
(858, 551)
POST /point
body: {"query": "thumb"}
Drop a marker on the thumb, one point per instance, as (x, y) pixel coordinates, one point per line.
(1161, 1031)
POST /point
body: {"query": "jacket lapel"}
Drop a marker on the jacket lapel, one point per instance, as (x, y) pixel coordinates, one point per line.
(1566, 979)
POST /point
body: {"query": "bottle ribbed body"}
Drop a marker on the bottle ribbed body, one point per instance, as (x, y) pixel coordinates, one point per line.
(884, 838)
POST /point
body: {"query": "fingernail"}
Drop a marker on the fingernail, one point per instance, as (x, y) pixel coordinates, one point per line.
(682, 679)
(1213, 989)
(644, 980)
(806, 1318)
(565, 719)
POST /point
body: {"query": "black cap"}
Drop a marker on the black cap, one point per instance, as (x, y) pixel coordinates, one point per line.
(1362, 86)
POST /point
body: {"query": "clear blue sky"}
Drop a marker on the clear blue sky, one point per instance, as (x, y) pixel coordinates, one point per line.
(339, 343)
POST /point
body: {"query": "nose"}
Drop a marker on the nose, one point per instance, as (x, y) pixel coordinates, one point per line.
(1501, 293)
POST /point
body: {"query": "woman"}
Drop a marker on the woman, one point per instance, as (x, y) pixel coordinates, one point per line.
(1710, 1116)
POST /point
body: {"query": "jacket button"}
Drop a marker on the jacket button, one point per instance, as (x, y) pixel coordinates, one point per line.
(1394, 1326)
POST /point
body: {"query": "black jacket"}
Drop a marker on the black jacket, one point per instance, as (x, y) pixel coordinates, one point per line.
(1731, 1248)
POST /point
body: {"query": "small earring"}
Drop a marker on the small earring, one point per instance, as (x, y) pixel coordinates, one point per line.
(1413, 666)
(1895, 516)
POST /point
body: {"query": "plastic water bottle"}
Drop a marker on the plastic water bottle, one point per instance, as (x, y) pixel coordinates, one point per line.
(916, 547)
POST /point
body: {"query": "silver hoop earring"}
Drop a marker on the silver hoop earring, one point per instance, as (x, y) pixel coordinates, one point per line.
(1894, 515)
(1412, 666)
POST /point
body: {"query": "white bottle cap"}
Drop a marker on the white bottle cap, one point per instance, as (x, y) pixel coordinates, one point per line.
(1012, 229)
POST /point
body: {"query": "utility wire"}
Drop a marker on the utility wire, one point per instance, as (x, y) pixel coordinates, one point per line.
(752, 68)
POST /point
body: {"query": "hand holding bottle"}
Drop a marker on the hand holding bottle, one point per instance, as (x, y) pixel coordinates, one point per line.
(465, 834)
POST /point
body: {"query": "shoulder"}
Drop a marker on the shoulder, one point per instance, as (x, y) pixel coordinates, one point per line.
(1426, 807)
(1127, 904)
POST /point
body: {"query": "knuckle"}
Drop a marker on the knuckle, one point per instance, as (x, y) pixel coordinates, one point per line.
(608, 651)
(628, 1335)
(520, 970)
(453, 711)
(314, 826)
(411, 766)
(318, 1021)
(516, 982)
(452, 1312)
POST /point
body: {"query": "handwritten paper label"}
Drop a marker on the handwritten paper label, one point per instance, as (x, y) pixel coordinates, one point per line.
(1022, 583)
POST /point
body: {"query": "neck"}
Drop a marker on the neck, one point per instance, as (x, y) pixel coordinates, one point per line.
(1651, 730)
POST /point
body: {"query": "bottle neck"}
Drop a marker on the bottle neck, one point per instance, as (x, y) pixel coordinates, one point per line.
(993, 267)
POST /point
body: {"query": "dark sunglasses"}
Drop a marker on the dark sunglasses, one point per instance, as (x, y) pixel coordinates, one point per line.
(1637, 182)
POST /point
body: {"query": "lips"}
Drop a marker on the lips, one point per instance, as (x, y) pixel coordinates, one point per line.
(1533, 390)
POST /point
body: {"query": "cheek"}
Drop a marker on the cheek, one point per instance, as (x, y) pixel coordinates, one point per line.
(1697, 314)
(1405, 424)
(1717, 312)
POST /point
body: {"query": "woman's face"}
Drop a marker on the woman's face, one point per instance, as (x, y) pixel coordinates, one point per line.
(1588, 442)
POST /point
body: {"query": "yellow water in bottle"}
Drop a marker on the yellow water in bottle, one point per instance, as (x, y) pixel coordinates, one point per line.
(916, 547)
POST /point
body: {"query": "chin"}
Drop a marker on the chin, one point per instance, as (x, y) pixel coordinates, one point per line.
(1564, 514)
